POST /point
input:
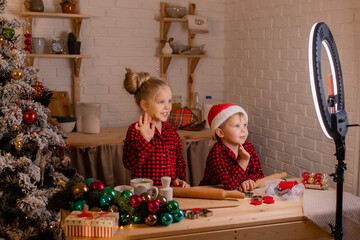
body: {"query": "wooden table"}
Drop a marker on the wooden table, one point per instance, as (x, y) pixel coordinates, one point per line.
(283, 220)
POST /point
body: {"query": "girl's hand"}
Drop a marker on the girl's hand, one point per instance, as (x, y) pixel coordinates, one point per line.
(244, 155)
(247, 185)
(144, 127)
(180, 183)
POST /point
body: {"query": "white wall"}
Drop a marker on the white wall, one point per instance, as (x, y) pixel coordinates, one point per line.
(258, 48)
(125, 33)
(266, 71)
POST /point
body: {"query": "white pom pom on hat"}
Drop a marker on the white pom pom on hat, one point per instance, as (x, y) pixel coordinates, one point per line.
(221, 112)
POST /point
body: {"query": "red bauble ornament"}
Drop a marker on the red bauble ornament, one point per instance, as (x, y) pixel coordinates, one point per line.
(317, 176)
(135, 200)
(27, 48)
(317, 183)
(305, 175)
(27, 42)
(97, 185)
(39, 89)
(153, 205)
(30, 117)
(27, 35)
(305, 182)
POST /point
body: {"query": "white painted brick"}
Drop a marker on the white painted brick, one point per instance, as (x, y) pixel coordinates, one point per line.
(292, 150)
(305, 143)
(102, 3)
(303, 163)
(278, 106)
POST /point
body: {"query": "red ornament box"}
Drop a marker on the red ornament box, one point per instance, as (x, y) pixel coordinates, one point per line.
(315, 180)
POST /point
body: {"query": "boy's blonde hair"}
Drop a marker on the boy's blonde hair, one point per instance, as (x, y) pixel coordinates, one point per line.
(142, 85)
(222, 126)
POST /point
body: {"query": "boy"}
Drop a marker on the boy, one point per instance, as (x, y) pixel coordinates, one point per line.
(232, 161)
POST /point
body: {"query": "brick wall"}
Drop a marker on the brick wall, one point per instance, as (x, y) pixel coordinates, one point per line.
(266, 71)
(125, 33)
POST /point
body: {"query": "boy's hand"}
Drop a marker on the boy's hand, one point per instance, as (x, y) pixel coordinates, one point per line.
(144, 127)
(247, 185)
(244, 155)
(180, 183)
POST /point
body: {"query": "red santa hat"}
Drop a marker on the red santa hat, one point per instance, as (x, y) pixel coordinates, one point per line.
(221, 112)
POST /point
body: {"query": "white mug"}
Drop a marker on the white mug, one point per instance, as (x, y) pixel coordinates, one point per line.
(121, 188)
(142, 185)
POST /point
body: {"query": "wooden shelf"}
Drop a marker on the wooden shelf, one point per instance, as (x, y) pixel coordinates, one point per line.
(35, 55)
(165, 59)
(76, 60)
(55, 15)
(184, 56)
(167, 19)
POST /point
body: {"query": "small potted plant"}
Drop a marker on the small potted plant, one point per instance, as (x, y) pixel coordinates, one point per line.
(73, 44)
(68, 6)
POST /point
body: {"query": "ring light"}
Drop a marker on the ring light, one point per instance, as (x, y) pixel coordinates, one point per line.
(334, 123)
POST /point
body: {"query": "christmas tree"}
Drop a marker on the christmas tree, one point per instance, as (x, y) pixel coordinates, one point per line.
(30, 159)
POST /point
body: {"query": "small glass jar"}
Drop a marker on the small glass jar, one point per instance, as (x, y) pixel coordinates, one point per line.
(176, 103)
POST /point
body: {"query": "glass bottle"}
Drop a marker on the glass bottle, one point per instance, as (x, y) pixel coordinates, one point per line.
(196, 109)
(206, 108)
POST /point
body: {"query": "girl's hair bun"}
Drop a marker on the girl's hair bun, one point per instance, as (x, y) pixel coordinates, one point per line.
(134, 80)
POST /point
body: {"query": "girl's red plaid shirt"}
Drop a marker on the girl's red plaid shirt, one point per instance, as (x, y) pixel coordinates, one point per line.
(162, 156)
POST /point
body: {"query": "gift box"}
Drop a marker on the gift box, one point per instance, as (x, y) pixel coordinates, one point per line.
(91, 224)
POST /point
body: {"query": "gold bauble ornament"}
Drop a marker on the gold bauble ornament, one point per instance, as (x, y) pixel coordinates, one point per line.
(113, 208)
(17, 73)
(95, 209)
(18, 142)
(62, 183)
(311, 180)
(145, 196)
(151, 219)
(79, 189)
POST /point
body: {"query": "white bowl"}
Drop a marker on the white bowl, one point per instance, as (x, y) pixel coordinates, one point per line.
(176, 12)
(67, 127)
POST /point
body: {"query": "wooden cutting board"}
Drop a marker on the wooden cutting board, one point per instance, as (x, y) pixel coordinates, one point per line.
(190, 203)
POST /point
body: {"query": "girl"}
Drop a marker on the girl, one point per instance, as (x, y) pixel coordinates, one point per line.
(152, 149)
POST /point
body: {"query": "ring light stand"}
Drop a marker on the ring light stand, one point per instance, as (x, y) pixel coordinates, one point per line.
(331, 114)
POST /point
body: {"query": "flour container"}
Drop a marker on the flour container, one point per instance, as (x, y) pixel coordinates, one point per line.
(88, 117)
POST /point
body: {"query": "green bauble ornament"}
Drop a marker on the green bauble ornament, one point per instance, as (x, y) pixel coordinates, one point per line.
(166, 219)
(105, 201)
(8, 33)
(136, 219)
(126, 194)
(89, 181)
(124, 219)
(109, 191)
(178, 216)
(172, 206)
(72, 206)
(79, 205)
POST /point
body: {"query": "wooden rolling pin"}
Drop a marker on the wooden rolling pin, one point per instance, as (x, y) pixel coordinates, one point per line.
(217, 193)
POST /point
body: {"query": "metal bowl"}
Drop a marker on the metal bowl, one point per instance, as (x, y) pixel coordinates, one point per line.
(176, 12)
